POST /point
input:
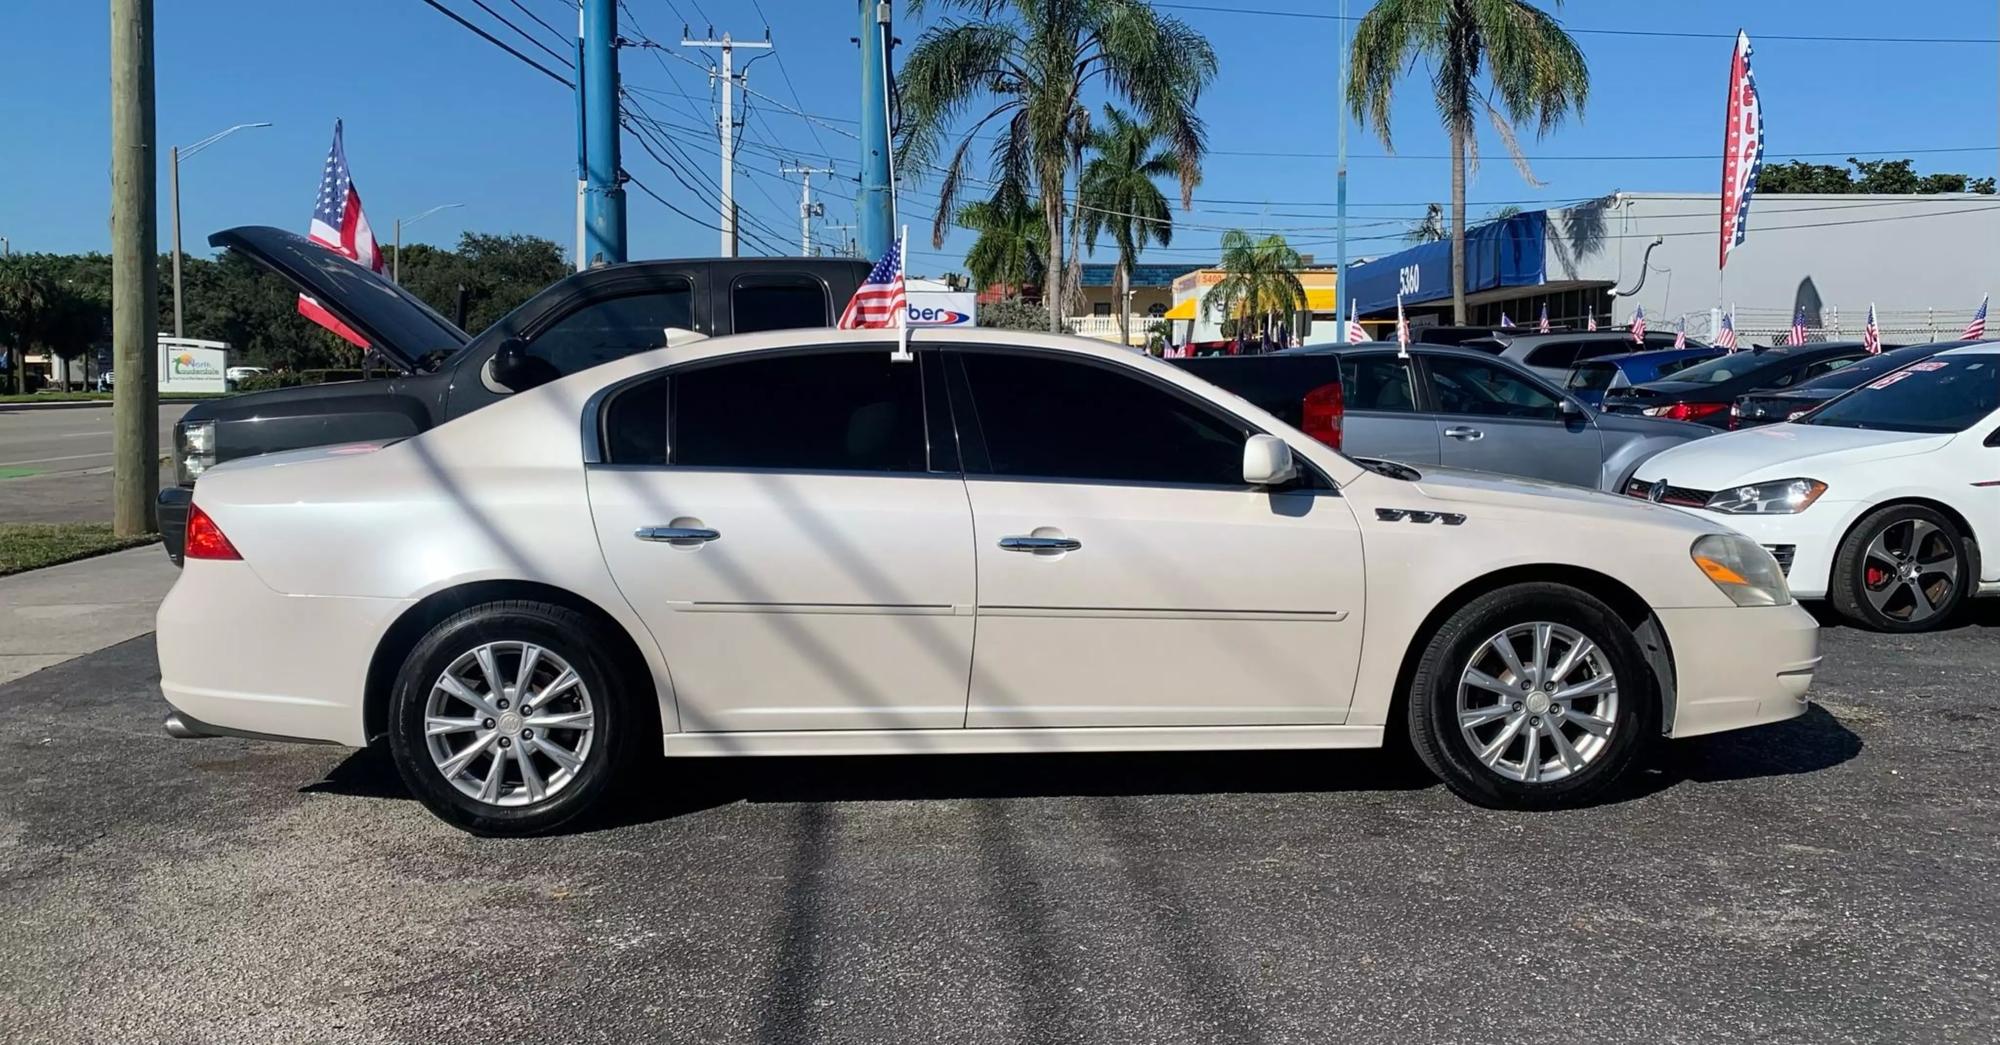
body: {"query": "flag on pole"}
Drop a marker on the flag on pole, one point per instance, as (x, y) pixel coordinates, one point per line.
(1681, 333)
(879, 302)
(1798, 326)
(1591, 323)
(1871, 336)
(1742, 149)
(1639, 325)
(1976, 330)
(1544, 325)
(339, 226)
(1727, 338)
(1504, 321)
(1402, 330)
(1355, 331)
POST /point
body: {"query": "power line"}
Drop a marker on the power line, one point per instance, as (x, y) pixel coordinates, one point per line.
(1643, 33)
(538, 20)
(560, 58)
(501, 44)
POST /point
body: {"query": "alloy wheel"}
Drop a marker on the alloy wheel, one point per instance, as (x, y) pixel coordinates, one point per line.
(509, 723)
(1910, 570)
(1538, 702)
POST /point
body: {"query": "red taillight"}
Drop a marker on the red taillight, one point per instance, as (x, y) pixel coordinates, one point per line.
(1687, 411)
(1324, 408)
(205, 539)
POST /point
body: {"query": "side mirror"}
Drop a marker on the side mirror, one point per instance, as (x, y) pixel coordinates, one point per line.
(1267, 461)
(514, 369)
(1572, 410)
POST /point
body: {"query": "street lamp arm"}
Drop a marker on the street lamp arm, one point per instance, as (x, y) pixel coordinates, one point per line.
(218, 136)
(428, 213)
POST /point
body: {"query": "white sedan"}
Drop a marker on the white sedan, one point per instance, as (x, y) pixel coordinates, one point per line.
(1879, 501)
(791, 543)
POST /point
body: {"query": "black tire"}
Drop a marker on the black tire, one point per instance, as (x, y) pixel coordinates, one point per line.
(617, 735)
(1850, 587)
(1433, 719)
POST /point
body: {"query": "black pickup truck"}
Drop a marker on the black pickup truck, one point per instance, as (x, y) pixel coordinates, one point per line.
(588, 318)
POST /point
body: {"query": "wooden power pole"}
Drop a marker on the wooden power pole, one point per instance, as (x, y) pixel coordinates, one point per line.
(135, 277)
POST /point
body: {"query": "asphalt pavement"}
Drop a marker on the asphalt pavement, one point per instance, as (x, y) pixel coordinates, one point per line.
(55, 462)
(1830, 879)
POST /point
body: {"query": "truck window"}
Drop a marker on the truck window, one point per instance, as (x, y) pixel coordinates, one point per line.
(778, 302)
(615, 328)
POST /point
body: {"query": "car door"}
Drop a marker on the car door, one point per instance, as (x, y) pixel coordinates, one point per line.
(1382, 416)
(1127, 576)
(802, 559)
(1496, 419)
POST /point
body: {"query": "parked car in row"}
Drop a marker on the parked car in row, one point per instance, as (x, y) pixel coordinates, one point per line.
(1786, 404)
(1593, 379)
(782, 543)
(1552, 355)
(1880, 501)
(599, 314)
(1704, 392)
(1452, 406)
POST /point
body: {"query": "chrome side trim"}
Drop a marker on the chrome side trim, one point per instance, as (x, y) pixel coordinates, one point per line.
(1126, 613)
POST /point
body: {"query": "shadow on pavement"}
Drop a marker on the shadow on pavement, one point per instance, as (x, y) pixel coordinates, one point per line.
(671, 788)
(1974, 613)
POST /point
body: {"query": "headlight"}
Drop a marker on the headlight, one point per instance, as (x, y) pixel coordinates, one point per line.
(194, 450)
(1742, 569)
(1783, 497)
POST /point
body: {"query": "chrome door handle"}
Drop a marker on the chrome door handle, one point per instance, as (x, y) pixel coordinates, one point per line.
(676, 534)
(1040, 544)
(1470, 435)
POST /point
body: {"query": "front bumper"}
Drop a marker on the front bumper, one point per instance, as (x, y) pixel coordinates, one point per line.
(238, 659)
(172, 508)
(1739, 666)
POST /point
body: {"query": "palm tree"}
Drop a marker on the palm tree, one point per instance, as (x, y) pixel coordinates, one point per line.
(1033, 60)
(1429, 229)
(1260, 281)
(1116, 195)
(1534, 71)
(1011, 243)
(27, 297)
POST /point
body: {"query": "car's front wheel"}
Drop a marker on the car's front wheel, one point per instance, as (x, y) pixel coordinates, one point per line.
(509, 718)
(1904, 568)
(1532, 696)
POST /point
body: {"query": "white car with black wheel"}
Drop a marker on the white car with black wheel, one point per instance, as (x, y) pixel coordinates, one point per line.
(785, 544)
(1879, 502)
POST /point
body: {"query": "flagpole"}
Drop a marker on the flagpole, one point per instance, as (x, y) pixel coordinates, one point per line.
(902, 314)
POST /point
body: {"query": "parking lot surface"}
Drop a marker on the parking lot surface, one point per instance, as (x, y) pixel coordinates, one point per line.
(1830, 879)
(55, 463)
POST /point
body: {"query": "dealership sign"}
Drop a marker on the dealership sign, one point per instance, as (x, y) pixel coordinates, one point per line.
(187, 365)
(934, 308)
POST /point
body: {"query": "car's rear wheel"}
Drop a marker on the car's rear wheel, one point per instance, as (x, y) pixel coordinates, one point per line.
(509, 718)
(1532, 696)
(1904, 568)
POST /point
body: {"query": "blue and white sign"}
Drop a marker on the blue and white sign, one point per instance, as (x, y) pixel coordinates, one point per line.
(932, 308)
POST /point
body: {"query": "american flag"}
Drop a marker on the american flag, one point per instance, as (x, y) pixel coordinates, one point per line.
(1798, 326)
(1871, 336)
(1543, 326)
(1727, 338)
(1976, 330)
(1505, 321)
(1356, 333)
(1742, 149)
(879, 301)
(1590, 323)
(1639, 325)
(1402, 330)
(339, 226)
(1681, 333)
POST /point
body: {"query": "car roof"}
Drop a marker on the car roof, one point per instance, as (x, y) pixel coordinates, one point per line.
(1386, 346)
(1574, 335)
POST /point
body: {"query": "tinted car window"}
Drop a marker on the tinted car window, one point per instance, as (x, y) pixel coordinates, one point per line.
(1675, 366)
(1469, 386)
(1053, 418)
(1867, 369)
(1730, 367)
(778, 303)
(841, 411)
(1826, 366)
(1376, 382)
(635, 424)
(1592, 376)
(616, 328)
(1555, 354)
(1944, 394)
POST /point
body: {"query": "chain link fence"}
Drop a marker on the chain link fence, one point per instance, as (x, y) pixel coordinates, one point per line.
(1771, 326)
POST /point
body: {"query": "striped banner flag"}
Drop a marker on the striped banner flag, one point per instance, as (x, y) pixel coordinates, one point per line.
(1543, 326)
(339, 226)
(1871, 335)
(1402, 330)
(1639, 325)
(1798, 326)
(1727, 337)
(1681, 332)
(1356, 333)
(1976, 330)
(1742, 149)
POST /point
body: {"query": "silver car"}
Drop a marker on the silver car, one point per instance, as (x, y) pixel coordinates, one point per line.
(1552, 355)
(1456, 407)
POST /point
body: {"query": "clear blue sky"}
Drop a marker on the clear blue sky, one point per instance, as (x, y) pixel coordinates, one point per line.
(436, 115)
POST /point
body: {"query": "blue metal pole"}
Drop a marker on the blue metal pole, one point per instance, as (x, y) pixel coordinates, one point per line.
(1340, 315)
(582, 256)
(604, 197)
(876, 206)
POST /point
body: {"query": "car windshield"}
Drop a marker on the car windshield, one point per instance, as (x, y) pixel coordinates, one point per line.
(1727, 368)
(1944, 394)
(1589, 377)
(1865, 370)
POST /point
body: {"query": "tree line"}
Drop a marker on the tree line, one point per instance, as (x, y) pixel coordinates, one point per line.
(61, 303)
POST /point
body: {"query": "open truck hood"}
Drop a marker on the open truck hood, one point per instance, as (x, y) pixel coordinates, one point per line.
(392, 320)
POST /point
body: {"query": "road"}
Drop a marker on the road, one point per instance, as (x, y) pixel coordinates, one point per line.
(55, 464)
(1830, 879)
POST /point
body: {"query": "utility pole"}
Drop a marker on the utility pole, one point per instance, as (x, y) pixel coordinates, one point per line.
(1340, 193)
(876, 206)
(730, 81)
(135, 278)
(846, 238)
(806, 209)
(582, 255)
(604, 193)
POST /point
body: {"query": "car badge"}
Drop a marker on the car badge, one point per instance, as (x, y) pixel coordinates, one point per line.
(1659, 491)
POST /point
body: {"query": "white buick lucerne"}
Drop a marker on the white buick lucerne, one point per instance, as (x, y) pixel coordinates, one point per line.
(792, 543)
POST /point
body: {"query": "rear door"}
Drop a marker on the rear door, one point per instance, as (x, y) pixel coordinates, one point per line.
(1496, 419)
(1385, 416)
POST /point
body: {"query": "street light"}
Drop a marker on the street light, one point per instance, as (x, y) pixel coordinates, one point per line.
(396, 260)
(174, 177)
